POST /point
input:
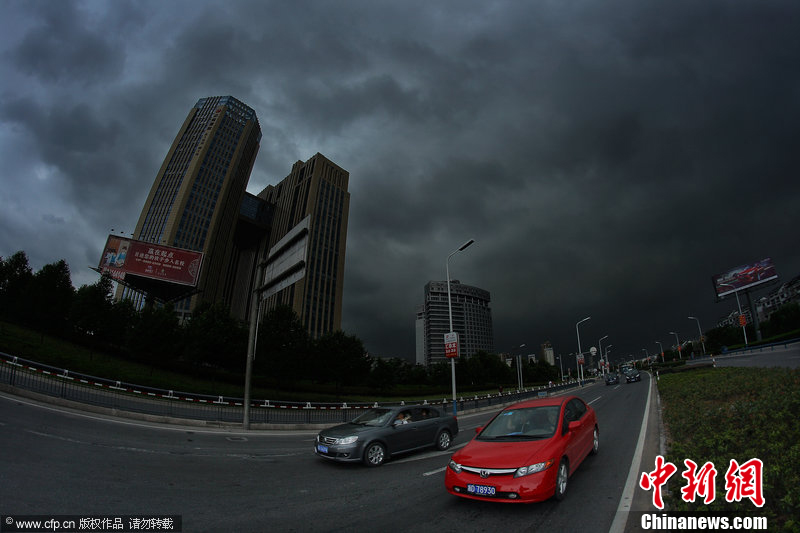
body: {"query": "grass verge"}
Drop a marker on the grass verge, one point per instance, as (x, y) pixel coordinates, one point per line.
(719, 414)
(45, 349)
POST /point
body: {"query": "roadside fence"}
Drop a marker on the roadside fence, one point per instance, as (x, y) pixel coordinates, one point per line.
(183, 407)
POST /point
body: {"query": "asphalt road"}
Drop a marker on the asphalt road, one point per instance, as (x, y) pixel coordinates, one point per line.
(56, 461)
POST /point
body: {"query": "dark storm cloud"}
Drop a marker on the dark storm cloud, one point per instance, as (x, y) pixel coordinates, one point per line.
(61, 49)
(607, 158)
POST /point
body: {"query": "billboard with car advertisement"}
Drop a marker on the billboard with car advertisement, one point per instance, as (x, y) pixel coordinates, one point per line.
(744, 277)
(123, 256)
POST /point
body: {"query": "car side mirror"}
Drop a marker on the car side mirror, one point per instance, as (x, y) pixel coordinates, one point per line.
(574, 426)
(478, 429)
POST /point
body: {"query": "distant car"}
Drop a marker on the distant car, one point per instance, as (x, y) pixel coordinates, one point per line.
(381, 432)
(526, 453)
(612, 379)
(632, 375)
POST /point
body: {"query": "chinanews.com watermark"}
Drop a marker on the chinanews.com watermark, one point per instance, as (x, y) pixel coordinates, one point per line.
(86, 523)
(743, 482)
(700, 522)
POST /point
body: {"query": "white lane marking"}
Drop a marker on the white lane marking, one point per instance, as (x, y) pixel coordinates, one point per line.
(432, 472)
(199, 452)
(621, 516)
(590, 403)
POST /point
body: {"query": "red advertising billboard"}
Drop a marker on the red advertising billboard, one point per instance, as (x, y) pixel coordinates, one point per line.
(744, 277)
(451, 345)
(123, 256)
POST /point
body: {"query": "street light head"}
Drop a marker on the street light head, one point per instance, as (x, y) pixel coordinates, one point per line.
(692, 318)
(466, 244)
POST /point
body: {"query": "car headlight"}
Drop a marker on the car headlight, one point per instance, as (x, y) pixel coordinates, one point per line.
(454, 466)
(532, 469)
(346, 440)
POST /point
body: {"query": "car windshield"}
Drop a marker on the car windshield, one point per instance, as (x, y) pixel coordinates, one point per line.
(523, 424)
(373, 417)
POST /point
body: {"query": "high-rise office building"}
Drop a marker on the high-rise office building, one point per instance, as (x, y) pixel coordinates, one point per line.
(296, 229)
(548, 354)
(197, 195)
(472, 320)
(306, 252)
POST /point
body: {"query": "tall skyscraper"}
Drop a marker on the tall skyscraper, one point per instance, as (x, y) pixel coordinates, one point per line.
(296, 229)
(548, 354)
(306, 252)
(195, 200)
(472, 320)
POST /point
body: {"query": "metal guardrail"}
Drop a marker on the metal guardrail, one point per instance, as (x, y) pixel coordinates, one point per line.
(762, 347)
(119, 396)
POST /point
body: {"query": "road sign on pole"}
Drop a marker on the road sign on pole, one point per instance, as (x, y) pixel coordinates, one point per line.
(451, 345)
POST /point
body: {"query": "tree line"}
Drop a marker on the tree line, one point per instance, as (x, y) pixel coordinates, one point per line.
(213, 344)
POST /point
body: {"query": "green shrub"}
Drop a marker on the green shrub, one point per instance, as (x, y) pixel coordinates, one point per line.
(719, 414)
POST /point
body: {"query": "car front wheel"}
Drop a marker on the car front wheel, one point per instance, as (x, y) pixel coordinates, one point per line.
(562, 478)
(595, 441)
(375, 454)
(444, 440)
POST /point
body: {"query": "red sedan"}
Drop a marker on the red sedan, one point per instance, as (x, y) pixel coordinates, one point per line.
(526, 453)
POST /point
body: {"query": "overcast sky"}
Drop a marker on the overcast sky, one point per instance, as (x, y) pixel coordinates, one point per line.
(607, 157)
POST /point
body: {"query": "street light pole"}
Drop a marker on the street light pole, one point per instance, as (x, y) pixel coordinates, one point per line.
(255, 315)
(739, 304)
(600, 346)
(580, 351)
(561, 366)
(662, 350)
(519, 367)
(677, 340)
(450, 311)
(700, 330)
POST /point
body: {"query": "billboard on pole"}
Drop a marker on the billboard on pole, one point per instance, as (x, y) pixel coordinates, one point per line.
(451, 345)
(744, 277)
(123, 256)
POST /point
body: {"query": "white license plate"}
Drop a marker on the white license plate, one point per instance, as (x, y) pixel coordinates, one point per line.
(481, 490)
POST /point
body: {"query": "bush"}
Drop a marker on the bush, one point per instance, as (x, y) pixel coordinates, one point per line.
(720, 414)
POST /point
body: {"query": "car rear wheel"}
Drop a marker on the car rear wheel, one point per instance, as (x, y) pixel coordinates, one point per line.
(595, 441)
(444, 440)
(375, 454)
(562, 478)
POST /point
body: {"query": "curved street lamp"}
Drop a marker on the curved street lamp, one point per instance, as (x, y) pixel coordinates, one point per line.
(519, 365)
(678, 342)
(580, 352)
(600, 347)
(450, 312)
(739, 304)
(662, 350)
(561, 366)
(699, 329)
